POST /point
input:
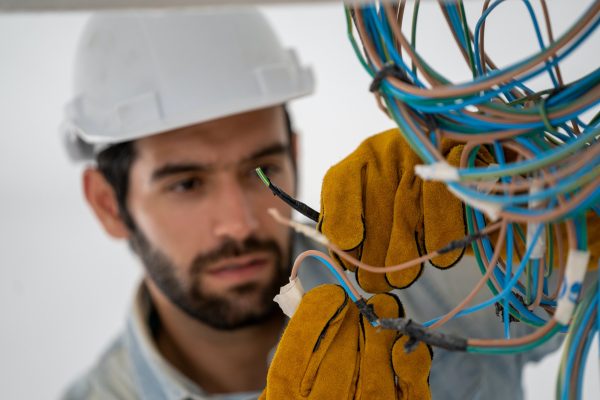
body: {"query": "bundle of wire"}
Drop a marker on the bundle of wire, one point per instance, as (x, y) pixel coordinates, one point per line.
(526, 215)
(546, 183)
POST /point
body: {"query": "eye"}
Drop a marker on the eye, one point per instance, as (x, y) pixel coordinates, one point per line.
(186, 185)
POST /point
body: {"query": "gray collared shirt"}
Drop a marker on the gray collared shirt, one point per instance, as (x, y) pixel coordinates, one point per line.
(132, 367)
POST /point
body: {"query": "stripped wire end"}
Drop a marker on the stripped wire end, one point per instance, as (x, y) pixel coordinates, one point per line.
(263, 177)
(298, 227)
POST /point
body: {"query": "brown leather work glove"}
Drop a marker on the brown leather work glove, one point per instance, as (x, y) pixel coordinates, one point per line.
(373, 205)
(329, 351)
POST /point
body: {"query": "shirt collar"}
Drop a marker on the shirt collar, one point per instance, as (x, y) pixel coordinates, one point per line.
(155, 377)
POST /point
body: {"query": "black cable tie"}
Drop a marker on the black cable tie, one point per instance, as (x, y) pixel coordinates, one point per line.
(389, 69)
(367, 311)
(461, 243)
(421, 333)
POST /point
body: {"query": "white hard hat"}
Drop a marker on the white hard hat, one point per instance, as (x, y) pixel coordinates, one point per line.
(138, 74)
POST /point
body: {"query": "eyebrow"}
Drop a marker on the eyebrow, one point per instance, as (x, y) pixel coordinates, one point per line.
(178, 168)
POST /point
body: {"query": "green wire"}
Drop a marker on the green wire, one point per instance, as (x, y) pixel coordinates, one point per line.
(535, 164)
(550, 262)
(359, 54)
(463, 20)
(413, 32)
(479, 259)
(575, 323)
(515, 349)
(263, 177)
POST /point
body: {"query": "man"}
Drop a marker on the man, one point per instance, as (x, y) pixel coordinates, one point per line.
(177, 110)
(176, 141)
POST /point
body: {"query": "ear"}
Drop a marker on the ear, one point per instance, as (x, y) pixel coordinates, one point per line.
(102, 199)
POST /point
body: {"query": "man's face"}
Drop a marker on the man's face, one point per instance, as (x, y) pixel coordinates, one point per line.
(200, 212)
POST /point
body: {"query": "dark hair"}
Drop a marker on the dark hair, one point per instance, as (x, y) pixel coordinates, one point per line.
(115, 164)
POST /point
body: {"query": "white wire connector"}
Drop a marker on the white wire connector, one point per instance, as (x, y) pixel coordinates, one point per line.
(492, 210)
(577, 262)
(306, 230)
(439, 171)
(289, 297)
(539, 249)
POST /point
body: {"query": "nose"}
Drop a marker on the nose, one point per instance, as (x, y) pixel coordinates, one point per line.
(234, 216)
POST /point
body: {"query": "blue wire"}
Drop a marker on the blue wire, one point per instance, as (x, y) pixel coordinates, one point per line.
(336, 274)
(571, 355)
(390, 47)
(506, 290)
(561, 151)
(506, 87)
(509, 256)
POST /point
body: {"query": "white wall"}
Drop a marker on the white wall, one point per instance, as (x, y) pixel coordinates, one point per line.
(65, 287)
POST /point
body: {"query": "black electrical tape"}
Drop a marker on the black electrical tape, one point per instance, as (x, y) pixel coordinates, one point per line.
(388, 69)
(366, 310)
(461, 243)
(411, 344)
(295, 204)
(423, 334)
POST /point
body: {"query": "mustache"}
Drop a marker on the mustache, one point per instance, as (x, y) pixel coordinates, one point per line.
(231, 248)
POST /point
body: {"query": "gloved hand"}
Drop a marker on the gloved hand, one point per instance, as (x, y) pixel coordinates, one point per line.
(374, 205)
(328, 351)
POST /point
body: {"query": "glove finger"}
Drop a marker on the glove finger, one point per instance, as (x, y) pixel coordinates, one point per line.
(443, 217)
(406, 232)
(412, 370)
(335, 376)
(376, 377)
(383, 177)
(305, 341)
(341, 217)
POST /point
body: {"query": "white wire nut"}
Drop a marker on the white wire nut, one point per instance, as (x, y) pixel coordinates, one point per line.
(492, 210)
(539, 249)
(289, 297)
(577, 262)
(439, 171)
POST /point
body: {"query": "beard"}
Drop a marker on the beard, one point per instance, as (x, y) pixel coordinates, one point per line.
(227, 311)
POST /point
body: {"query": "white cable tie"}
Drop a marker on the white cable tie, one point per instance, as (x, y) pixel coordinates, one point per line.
(289, 297)
(577, 262)
(492, 210)
(439, 171)
(539, 249)
(481, 188)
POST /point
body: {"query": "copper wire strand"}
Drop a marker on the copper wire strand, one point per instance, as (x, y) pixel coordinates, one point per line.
(489, 270)
(579, 354)
(540, 288)
(399, 267)
(559, 78)
(462, 90)
(557, 212)
(315, 253)
(573, 164)
(537, 334)
(561, 259)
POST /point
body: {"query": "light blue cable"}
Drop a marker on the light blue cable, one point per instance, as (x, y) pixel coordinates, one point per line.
(506, 290)
(336, 274)
(571, 355)
(390, 47)
(536, 28)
